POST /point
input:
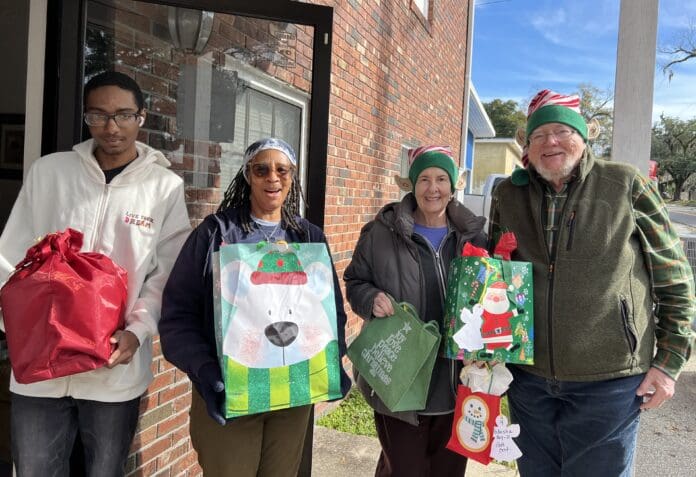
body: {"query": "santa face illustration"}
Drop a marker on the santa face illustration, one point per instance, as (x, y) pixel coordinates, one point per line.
(496, 301)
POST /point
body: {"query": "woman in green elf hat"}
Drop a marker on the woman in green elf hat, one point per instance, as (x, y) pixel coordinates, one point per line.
(405, 252)
(260, 205)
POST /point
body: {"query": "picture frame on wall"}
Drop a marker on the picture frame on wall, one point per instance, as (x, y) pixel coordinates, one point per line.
(11, 145)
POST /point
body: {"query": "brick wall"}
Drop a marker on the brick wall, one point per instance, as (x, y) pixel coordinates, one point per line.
(396, 80)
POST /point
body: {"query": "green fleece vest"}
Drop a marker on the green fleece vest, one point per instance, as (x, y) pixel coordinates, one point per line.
(593, 315)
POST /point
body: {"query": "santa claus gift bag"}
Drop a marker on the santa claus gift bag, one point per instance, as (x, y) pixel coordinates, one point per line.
(489, 306)
(275, 316)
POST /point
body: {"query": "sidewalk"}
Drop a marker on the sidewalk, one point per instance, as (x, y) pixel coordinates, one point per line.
(684, 230)
(338, 454)
(666, 443)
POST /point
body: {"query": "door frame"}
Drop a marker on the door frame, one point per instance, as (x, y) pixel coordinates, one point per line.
(64, 70)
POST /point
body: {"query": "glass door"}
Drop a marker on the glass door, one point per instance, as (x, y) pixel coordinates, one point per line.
(213, 82)
(217, 75)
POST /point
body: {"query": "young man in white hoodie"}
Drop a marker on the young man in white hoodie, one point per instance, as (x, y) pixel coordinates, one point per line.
(119, 193)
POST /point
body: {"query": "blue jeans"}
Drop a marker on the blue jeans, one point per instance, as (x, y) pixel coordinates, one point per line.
(44, 429)
(570, 428)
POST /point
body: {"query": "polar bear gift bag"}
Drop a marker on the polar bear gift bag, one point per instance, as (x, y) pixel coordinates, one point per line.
(275, 318)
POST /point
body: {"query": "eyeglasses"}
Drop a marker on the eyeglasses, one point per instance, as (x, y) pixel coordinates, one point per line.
(264, 170)
(122, 120)
(560, 135)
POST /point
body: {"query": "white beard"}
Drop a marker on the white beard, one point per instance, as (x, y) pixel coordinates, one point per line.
(495, 307)
(557, 175)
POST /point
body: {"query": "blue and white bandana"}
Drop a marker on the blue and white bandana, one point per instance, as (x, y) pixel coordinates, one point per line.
(268, 143)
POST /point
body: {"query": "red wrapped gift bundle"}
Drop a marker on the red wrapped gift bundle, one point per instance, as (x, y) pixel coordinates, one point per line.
(60, 308)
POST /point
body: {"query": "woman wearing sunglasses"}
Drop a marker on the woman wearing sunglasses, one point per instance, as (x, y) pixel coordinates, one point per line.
(261, 204)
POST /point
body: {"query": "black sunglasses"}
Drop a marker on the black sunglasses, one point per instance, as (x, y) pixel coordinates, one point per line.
(264, 170)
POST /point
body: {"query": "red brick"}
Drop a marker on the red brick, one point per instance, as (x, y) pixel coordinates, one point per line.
(144, 437)
(210, 195)
(182, 403)
(165, 365)
(162, 380)
(133, 20)
(167, 458)
(180, 375)
(152, 451)
(165, 69)
(181, 435)
(146, 470)
(176, 421)
(163, 105)
(174, 391)
(188, 463)
(147, 403)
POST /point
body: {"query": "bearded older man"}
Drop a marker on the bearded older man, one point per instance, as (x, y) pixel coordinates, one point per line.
(613, 298)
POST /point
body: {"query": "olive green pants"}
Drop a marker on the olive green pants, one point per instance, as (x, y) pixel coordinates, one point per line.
(260, 445)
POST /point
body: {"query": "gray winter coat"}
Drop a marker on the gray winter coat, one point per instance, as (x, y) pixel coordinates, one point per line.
(389, 258)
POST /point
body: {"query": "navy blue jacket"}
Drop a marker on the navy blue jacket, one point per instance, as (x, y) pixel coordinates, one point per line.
(187, 331)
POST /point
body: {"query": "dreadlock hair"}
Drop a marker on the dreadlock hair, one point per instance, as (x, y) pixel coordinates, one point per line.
(238, 195)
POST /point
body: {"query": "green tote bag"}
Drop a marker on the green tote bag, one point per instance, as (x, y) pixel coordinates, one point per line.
(396, 356)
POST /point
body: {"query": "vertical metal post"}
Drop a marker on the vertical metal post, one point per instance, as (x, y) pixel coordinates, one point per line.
(635, 71)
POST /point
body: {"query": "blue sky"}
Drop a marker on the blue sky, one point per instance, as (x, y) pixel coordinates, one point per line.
(522, 46)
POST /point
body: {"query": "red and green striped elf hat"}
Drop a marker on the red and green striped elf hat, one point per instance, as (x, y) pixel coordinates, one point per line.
(550, 107)
(279, 267)
(423, 157)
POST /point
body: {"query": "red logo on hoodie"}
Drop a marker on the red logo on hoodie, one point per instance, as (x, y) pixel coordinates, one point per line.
(138, 220)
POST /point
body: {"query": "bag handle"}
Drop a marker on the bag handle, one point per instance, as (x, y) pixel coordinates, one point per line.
(431, 327)
(407, 307)
(507, 276)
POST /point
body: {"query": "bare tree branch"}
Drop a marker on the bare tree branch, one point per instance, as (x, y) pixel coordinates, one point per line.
(683, 49)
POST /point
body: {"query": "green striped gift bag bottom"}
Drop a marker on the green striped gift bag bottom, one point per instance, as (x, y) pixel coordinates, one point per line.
(255, 390)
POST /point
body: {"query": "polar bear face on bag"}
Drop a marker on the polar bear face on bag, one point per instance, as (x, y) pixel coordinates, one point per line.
(278, 317)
